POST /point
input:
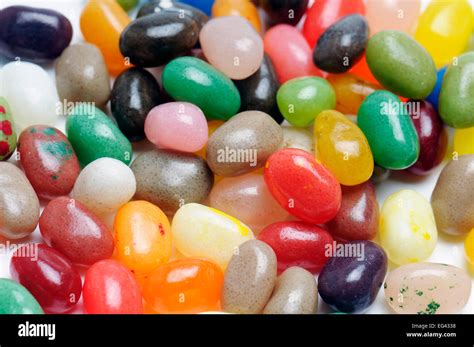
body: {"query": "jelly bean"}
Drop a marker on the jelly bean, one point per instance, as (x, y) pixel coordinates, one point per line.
(452, 196)
(399, 15)
(34, 34)
(82, 76)
(350, 91)
(249, 278)
(7, 131)
(70, 227)
(211, 127)
(444, 29)
(102, 22)
(295, 292)
(324, 13)
(469, 247)
(247, 198)
(290, 53)
(300, 100)
(350, 283)
(297, 244)
(380, 174)
(358, 217)
(362, 70)
(432, 136)
(158, 38)
(96, 186)
(110, 288)
(19, 205)
(389, 129)
(30, 92)
(48, 275)
(342, 44)
(193, 80)
(184, 286)
(204, 232)
(400, 64)
(245, 9)
(134, 94)
(243, 143)
(127, 5)
(258, 92)
(284, 11)
(16, 299)
(93, 135)
(170, 179)
(305, 188)
(427, 288)
(232, 46)
(407, 227)
(433, 98)
(177, 125)
(343, 148)
(297, 138)
(464, 141)
(48, 160)
(142, 236)
(204, 5)
(456, 100)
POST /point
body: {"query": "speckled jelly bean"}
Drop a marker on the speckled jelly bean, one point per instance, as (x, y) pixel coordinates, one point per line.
(300, 100)
(48, 160)
(8, 139)
(245, 9)
(157, 174)
(249, 278)
(389, 129)
(399, 15)
(427, 288)
(204, 232)
(299, 138)
(93, 135)
(71, 228)
(243, 143)
(284, 11)
(110, 288)
(142, 236)
(297, 244)
(464, 141)
(407, 227)
(433, 98)
(452, 196)
(19, 205)
(350, 282)
(15, 299)
(400, 64)
(184, 286)
(305, 188)
(193, 80)
(295, 292)
(49, 276)
(96, 185)
(469, 247)
(35, 34)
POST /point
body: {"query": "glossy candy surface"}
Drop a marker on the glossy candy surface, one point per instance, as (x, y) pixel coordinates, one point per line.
(299, 138)
(469, 247)
(8, 139)
(392, 14)
(433, 98)
(242, 8)
(203, 5)
(16, 299)
(464, 141)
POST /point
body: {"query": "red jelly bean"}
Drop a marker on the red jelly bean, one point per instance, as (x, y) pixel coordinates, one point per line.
(297, 244)
(110, 288)
(69, 226)
(302, 186)
(324, 13)
(48, 275)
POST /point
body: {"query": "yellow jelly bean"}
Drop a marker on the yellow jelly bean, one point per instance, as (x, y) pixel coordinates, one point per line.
(469, 247)
(444, 29)
(343, 148)
(464, 141)
(407, 227)
(203, 232)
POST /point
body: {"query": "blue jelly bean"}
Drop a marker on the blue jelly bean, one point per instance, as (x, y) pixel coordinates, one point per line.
(434, 96)
(204, 5)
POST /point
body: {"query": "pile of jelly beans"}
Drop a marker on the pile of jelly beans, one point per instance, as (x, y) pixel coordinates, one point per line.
(236, 166)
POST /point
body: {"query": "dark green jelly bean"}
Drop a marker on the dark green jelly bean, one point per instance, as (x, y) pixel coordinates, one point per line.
(16, 299)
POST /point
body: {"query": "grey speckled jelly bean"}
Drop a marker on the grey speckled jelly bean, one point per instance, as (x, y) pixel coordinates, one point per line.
(243, 143)
(171, 179)
(295, 293)
(249, 278)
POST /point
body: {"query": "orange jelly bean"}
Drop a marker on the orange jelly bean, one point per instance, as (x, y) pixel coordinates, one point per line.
(184, 286)
(142, 237)
(243, 8)
(102, 22)
(362, 70)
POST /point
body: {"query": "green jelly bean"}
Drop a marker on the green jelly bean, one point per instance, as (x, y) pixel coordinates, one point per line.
(195, 81)
(456, 100)
(392, 137)
(16, 299)
(300, 100)
(93, 135)
(127, 5)
(401, 64)
(7, 131)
